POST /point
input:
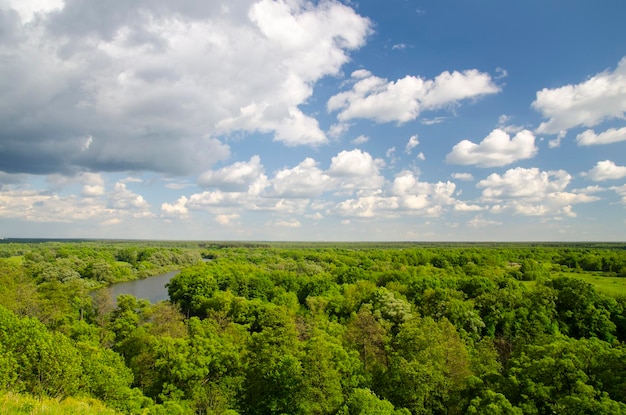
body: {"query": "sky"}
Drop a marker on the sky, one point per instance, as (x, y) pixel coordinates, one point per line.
(402, 120)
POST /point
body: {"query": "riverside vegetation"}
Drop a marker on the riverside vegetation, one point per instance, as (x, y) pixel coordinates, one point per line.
(296, 328)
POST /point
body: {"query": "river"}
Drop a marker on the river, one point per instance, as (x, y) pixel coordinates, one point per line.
(151, 288)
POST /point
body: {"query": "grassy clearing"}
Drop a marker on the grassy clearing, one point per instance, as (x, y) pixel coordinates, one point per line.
(21, 404)
(612, 286)
(606, 285)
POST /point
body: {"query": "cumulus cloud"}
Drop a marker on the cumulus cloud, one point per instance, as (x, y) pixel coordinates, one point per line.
(217, 199)
(480, 222)
(305, 180)
(599, 98)
(294, 223)
(242, 186)
(606, 170)
(403, 100)
(238, 176)
(414, 194)
(39, 206)
(93, 184)
(504, 124)
(362, 139)
(621, 191)
(531, 192)
(590, 138)
(353, 163)
(496, 150)
(466, 207)
(123, 198)
(356, 170)
(224, 219)
(463, 176)
(411, 144)
(349, 171)
(556, 142)
(151, 86)
(367, 206)
(96, 204)
(521, 182)
(178, 209)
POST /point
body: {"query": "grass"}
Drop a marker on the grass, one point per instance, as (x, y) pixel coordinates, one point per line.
(22, 404)
(613, 286)
(606, 285)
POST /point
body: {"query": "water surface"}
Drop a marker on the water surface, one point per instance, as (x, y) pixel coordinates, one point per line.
(151, 288)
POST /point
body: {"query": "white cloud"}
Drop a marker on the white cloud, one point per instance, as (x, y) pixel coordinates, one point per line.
(29, 9)
(224, 219)
(390, 153)
(123, 198)
(356, 170)
(403, 100)
(480, 222)
(338, 129)
(407, 186)
(316, 216)
(217, 199)
(433, 121)
(293, 128)
(554, 143)
(294, 223)
(295, 206)
(503, 124)
(176, 209)
(531, 192)
(606, 170)
(163, 80)
(502, 73)
(305, 180)
(238, 176)
(367, 206)
(621, 191)
(305, 43)
(411, 144)
(38, 206)
(407, 195)
(590, 138)
(601, 97)
(353, 163)
(362, 139)
(496, 150)
(169, 184)
(523, 183)
(590, 189)
(463, 176)
(465, 207)
(93, 184)
(406, 182)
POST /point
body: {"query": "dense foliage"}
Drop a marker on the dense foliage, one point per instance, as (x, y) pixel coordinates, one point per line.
(346, 329)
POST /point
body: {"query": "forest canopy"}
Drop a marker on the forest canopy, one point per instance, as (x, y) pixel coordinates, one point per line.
(314, 328)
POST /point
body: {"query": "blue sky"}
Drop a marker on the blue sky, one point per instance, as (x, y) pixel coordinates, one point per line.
(324, 120)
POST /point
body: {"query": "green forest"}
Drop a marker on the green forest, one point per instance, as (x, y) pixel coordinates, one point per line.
(314, 328)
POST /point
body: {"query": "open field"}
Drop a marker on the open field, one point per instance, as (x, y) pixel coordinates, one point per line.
(605, 284)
